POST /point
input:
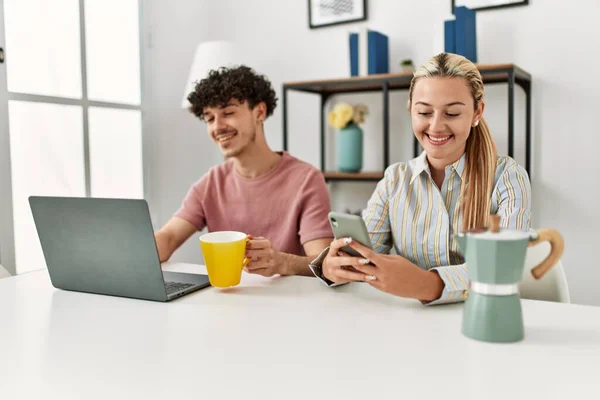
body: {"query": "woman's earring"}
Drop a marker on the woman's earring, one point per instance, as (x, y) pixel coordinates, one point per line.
(476, 123)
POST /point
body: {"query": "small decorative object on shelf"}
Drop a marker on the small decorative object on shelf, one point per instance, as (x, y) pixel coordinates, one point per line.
(407, 65)
(346, 119)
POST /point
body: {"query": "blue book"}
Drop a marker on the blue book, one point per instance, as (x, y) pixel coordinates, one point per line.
(378, 53)
(450, 36)
(353, 37)
(466, 33)
(369, 53)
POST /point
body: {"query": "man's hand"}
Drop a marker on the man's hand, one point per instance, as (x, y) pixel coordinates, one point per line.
(266, 261)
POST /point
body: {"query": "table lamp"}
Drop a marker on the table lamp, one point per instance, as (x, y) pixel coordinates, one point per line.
(211, 55)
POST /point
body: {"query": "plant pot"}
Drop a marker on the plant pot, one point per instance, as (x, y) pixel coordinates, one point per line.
(350, 149)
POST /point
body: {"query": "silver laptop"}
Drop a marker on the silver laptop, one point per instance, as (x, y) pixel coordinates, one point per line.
(105, 246)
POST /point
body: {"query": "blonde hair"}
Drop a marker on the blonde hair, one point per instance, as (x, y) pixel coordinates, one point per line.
(481, 156)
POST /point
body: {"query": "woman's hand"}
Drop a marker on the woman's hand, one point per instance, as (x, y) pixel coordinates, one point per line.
(340, 267)
(397, 275)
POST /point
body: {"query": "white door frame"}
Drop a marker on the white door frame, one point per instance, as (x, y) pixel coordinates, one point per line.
(7, 242)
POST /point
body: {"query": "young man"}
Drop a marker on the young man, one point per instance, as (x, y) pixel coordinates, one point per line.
(279, 201)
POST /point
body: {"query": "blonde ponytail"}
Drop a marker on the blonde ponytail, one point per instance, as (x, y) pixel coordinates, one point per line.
(480, 167)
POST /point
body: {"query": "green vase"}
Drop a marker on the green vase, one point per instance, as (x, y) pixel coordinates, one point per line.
(350, 149)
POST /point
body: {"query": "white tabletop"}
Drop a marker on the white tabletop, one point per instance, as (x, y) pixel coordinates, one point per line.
(281, 338)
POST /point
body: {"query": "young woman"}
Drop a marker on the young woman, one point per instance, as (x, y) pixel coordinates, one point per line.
(453, 186)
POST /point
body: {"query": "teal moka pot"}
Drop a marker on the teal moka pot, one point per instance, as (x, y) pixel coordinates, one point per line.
(495, 260)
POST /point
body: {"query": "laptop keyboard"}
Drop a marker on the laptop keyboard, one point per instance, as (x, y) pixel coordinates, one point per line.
(173, 287)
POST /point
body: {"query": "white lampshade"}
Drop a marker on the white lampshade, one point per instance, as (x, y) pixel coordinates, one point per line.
(208, 56)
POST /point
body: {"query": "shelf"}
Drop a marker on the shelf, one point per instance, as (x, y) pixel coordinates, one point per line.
(360, 176)
(508, 74)
(491, 73)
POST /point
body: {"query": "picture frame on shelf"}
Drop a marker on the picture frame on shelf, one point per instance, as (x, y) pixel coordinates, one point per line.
(481, 5)
(322, 13)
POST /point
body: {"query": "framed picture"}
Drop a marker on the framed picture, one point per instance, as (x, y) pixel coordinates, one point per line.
(333, 12)
(479, 5)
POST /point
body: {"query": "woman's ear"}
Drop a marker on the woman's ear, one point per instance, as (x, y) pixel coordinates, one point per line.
(478, 113)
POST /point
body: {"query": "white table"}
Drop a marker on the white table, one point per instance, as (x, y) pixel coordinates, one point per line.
(281, 338)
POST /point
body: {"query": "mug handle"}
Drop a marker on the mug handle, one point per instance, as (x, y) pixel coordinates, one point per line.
(246, 259)
(557, 245)
(246, 262)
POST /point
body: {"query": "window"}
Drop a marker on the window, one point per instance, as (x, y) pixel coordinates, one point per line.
(73, 97)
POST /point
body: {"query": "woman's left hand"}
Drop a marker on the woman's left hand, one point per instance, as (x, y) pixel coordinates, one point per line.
(398, 276)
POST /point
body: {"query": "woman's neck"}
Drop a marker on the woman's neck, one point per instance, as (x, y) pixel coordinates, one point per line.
(437, 167)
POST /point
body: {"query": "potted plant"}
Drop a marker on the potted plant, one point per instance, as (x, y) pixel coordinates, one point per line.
(407, 65)
(347, 119)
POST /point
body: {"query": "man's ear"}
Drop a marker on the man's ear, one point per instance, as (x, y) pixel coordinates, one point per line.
(260, 112)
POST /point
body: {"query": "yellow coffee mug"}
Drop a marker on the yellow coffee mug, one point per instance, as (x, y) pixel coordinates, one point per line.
(224, 255)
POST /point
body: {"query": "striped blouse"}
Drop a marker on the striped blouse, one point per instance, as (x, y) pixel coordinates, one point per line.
(409, 212)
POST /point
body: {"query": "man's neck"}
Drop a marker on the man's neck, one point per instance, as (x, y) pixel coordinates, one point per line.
(255, 161)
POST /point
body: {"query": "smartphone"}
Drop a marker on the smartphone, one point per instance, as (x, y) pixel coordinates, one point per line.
(348, 225)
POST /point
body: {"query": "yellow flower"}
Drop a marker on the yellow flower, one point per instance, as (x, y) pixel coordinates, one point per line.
(333, 120)
(345, 112)
(341, 115)
(360, 111)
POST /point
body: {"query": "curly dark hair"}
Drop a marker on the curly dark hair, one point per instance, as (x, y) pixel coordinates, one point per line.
(241, 83)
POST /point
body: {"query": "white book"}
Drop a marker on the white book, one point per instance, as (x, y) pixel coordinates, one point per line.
(363, 52)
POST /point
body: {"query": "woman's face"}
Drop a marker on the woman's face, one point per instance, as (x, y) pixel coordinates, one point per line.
(443, 113)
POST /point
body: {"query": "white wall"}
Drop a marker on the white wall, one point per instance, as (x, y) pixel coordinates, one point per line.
(177, 149)
(556, 46)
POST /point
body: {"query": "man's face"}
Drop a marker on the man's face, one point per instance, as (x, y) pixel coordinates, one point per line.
(232, 128)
